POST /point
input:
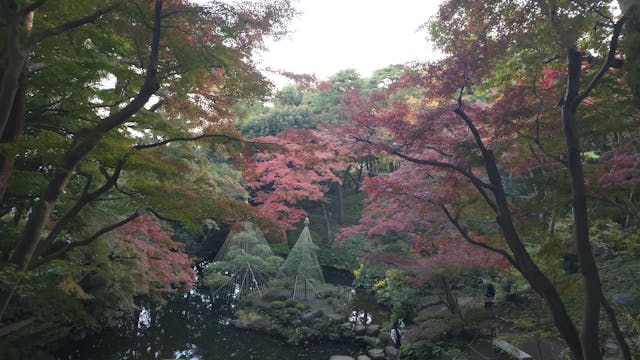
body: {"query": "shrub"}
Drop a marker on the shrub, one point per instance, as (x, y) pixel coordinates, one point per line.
(277, 304)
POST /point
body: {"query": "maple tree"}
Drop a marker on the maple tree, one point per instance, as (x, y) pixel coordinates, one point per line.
(301, 166)
(490, 101)
(133, 119)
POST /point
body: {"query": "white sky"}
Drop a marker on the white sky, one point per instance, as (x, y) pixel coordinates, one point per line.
(333, 35)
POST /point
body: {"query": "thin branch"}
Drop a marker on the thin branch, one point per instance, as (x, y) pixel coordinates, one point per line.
(613, 47)
(541, 148)
(194, 138)
(622, 342)
(476, 135)
(161, 217)
(474, 179)
(87, 185)
(37, 37)
(85, 198)
(84, 242)
(157, 105)
(468, 238)
(552, 59)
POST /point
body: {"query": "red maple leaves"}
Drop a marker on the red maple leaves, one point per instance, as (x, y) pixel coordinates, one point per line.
(300, 166)
(159, 265)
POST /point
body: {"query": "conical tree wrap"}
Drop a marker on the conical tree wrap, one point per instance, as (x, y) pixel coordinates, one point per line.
(302, 266)
(243, 266)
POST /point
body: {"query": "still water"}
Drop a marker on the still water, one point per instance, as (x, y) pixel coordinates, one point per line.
(194, 327)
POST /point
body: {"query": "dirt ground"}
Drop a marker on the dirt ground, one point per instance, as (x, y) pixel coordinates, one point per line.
(480, 348)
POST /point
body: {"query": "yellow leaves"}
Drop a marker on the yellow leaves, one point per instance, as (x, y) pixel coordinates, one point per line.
(380, 284)
(71, 288)
(357, 272)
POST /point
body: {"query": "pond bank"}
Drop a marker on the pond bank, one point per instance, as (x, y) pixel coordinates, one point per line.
(193, 327)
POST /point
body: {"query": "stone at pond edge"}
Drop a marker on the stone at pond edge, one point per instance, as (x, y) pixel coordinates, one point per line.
(376, 354)
(370, 340)
(373, 330)
(340, 357)
(360, 329)
(363, 357)
(391, 351)
(311, 315)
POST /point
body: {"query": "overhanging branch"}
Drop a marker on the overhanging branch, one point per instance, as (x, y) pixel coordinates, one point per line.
(466, 237)
(84, 242)
(37, 37)
(193, 138)
(613, 47)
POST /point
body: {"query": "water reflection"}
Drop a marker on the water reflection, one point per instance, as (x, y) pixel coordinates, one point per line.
(193, 326)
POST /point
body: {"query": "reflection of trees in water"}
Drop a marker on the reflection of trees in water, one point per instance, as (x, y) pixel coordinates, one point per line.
(195, 326)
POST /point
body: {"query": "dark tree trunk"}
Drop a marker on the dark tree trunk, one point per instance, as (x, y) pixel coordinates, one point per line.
(538, 280)
(327, 223)
(592, 287)
(83, 143)
(340, 204)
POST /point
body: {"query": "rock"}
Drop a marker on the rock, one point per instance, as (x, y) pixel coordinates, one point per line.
(360, 329)
(622, 298)
(391, 352)
(370, 340)
(347, 326)
(611, 348)
(241, 323)
(363, 357)
(274, 330)
(376, 354)
(340, 357)
(261, 324)
(373, 330)
(306, 316)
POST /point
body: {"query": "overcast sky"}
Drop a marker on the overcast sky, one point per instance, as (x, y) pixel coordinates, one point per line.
(332, 35)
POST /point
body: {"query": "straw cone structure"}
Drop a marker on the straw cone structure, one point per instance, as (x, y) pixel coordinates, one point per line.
(243, 266)
(302, 267)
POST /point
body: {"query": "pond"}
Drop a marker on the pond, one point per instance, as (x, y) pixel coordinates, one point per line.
(192, 326)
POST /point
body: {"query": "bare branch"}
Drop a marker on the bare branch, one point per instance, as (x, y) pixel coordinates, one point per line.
(195, 138)
(161, 217)
(467, 237)
(613, 47)
(37, 37)
(476, 135)
(84, 200)
(84, 242)
(474, 179)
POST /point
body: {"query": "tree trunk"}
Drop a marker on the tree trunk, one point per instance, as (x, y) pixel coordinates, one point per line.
(340, 204)
(12, 92)
(326, 222)
(527, 267)
(592, 287)
(83, 143)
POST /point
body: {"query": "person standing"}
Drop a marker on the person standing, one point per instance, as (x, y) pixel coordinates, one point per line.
(396, 335)
(489, 296)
